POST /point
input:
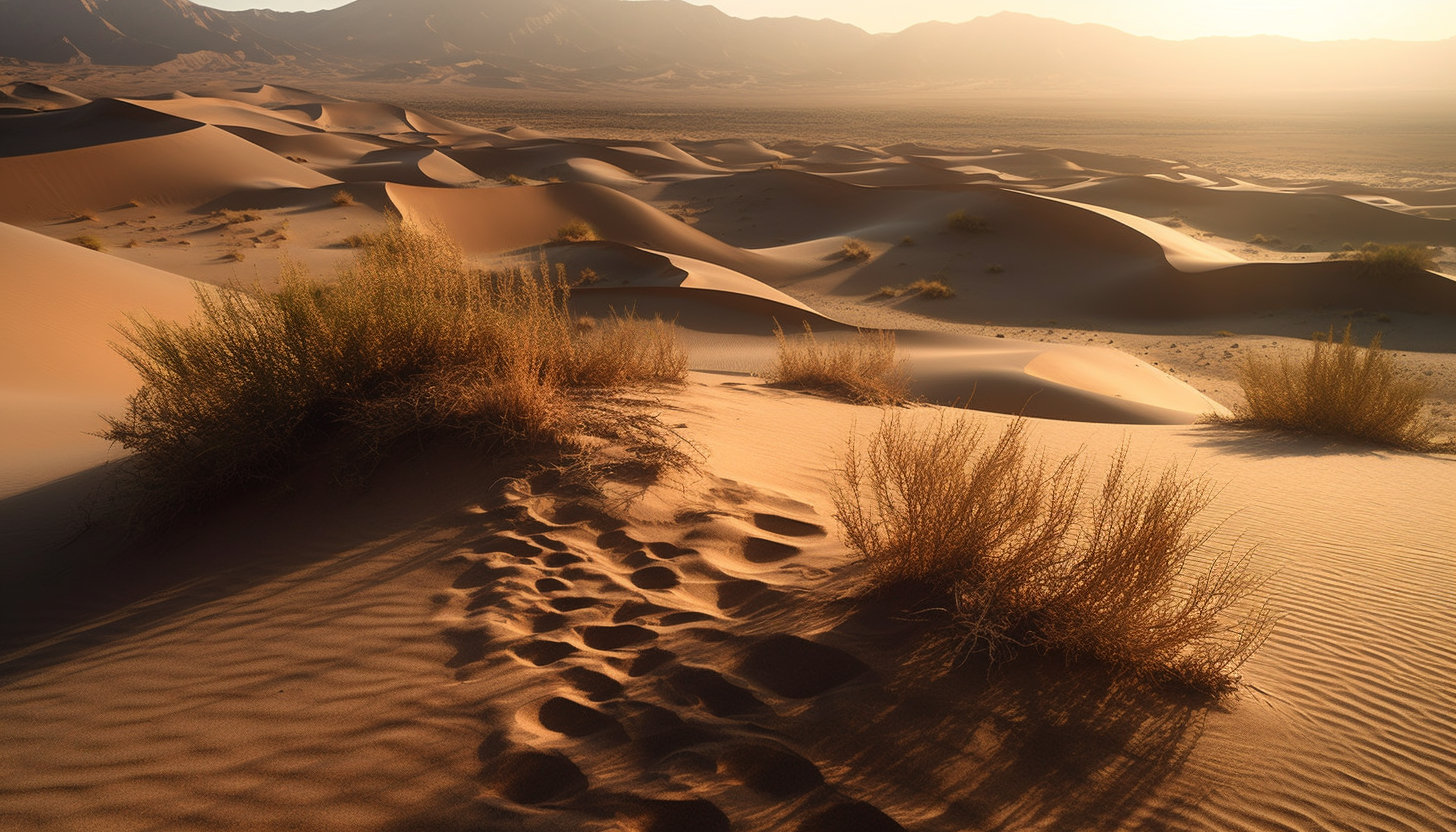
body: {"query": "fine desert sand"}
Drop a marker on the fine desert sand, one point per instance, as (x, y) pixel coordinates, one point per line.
(462, 642)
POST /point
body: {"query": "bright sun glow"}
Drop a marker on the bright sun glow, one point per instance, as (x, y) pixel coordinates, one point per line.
(1171, 19)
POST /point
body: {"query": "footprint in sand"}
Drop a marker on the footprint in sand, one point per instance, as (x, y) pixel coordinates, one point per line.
(668, 551)
(762, 550)
(547, 622)
(787, 526)
(615, 637)
(508, 545)
(469, 645)
(597, 687)
(770, 769)
(797, 668)
(531, 777)
(655, 577)
(708, 688)
(573, 719)
(544, 652)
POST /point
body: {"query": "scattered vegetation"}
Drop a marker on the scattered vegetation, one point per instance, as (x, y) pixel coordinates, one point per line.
(1336, 388)
(513, 179)
(235, 256)
(886, 292)
(1392, 262)
(299, 159)
(85, 216)
(576, 231)
(862, 369)
(960, 221)
(930, 289)
(855, 250)
(342, 198)
(362, 240)
(587, 277)
(88, 241)
(1261, 240)
(406, 342)
(231, 217)
(1026, 558)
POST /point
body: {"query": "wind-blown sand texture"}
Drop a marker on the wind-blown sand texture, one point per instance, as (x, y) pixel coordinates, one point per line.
(463, 644)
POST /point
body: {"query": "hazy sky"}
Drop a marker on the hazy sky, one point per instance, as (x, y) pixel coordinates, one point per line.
(1173, 19)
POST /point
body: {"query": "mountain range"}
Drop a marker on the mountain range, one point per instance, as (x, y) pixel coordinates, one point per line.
(671, 42)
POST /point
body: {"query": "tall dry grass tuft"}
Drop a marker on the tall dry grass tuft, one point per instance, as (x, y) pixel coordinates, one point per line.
(1013, 544)
(864, 369)
(1337, 388)
(406, 341)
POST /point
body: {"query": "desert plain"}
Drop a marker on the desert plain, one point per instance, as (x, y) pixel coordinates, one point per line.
(458, 642)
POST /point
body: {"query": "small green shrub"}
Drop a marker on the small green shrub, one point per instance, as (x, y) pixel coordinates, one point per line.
(575, 231)
(864, 369)
(1026, 558)
(407, 341)
(1336, 388)
(964, 223)
(88, 241)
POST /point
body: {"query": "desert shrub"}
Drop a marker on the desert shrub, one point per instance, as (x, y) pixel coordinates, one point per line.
(587, 277)
(1336, 388)
(959, 220)
(1013, 543)
(235, 256)
(930, 289)
(995, 268)
(907, 240)
(575, 231)
(886, 292)
(88, 241)
(1262, 240)
(407, 341)
(342, 198)
(231, 217)
(513, 179)
(1379, 262)
(863, 369)
(855, 250)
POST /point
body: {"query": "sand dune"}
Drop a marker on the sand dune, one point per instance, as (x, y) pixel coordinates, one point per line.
(454, 644)
(181, 168)
(60, 304)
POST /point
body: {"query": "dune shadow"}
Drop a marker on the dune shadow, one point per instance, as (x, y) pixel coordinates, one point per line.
(1266, 443)
(112, 578)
